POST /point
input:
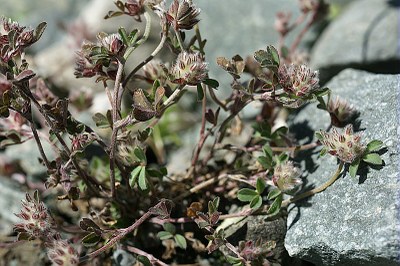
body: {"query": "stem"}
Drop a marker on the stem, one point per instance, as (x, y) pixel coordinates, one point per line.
(171, 98)
(148, 59)
(200, 186)
(119, 234)
(301, 35)
(178, 36)
(153, 260)
(115, 113)
(39, 144)
(202, 129)
(315, 190)
(86, 178)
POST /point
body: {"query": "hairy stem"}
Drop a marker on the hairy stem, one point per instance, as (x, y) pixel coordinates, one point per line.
(153, 260)
(315, 190)
(119, 234)
(202, 129)
(115, 115)
(39, 144)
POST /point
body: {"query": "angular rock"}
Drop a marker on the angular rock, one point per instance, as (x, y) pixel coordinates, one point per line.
(355, 221)
(364, 36)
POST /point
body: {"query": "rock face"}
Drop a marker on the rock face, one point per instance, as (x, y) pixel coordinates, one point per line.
(355, 221)
(364, 36)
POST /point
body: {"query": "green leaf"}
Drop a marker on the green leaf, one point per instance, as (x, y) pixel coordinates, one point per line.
(373, 158)
(354, 167)
(318, 135)
(144, 260)
(246, 194)
(323, 151)
(233, 260)
(215, 203)
(273, 54)
(142, 179)
(169, 228)
(256, 202)
(322, 92)
(134, 174)
(39, 30)
(91, 240)
(124, 35)
(273, 194)
(283, 157)
(200, 92)
(163, 235)
(212, 83)
(268, 151)
(260, 185)
(139, 153)
(100, 120)
(276, 205)
(265, 162)
(181, 241)
(374, 145)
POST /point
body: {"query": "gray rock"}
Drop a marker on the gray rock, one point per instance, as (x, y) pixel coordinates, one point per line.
(364, 36)
(241, 27)
(355, 221)
(10, 203)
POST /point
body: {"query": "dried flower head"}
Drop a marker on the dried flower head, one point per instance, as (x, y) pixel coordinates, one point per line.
(346, 146)
(189, 68)
(299, 82)
(36, 220)
(182, 15)
(341, 111)
(63, 254)
(287, 177)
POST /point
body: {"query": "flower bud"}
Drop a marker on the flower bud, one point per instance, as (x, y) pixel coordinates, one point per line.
(341, 111)
(287, 178)
(113, 43)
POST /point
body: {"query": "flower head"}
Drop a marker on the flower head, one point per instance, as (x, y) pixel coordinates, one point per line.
(189, 68)
(346, 146)
(298, 82)
(62, 253)
(341, 111)
(183, 15)
(113, 43)
(287, 177)
(36, 220)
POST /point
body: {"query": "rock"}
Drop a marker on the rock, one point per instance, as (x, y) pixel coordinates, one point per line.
(364, 36)
(10, 203)
(354, 221)
(241, 27)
